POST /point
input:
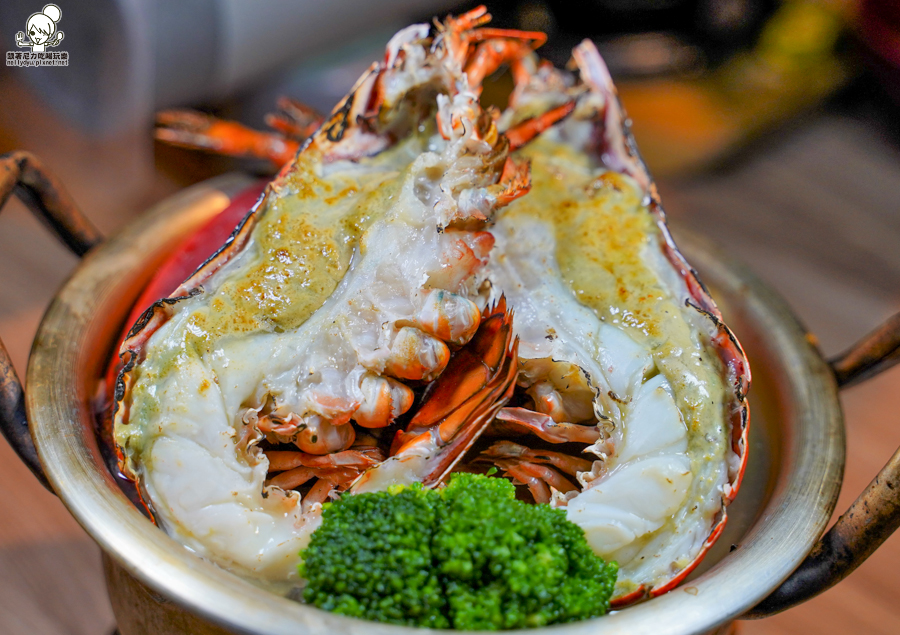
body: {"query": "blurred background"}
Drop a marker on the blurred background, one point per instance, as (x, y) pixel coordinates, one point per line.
(772, 126)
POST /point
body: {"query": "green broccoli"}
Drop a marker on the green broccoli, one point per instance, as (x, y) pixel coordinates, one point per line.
(371, 558)
(469, 556)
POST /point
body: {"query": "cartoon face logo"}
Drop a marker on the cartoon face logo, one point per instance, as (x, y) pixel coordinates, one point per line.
(41, 29)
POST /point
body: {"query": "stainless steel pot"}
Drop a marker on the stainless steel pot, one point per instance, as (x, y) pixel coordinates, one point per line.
(773, 555)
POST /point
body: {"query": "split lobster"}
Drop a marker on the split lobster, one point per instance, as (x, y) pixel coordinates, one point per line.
(428, 286)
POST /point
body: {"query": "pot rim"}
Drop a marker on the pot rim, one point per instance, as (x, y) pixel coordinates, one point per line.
(61, 381)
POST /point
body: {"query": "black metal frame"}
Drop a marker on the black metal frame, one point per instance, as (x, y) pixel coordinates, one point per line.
(22, 174)
(873, 516)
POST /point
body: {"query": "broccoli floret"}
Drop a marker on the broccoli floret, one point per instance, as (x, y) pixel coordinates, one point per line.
(371, 558)
(469, 556)
(508, 564)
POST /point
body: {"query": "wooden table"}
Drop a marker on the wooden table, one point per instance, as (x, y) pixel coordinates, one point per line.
(815, 211)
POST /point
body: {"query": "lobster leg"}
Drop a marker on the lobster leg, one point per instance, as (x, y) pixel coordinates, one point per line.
(524, 132)
(190, 129)
(493, 53)
(319, 493)
(571, 465)
(529, 468)
(300, 475)
(294, 119)
(496, 46)
(458, 407)
(283, 460)
(546, 428)
(538, 488)
(547, 475)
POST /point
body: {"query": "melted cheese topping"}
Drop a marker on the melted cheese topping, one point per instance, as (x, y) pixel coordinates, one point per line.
(225, 350)
(618, 310)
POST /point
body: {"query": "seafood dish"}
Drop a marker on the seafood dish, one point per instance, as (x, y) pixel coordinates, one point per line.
(428, 286)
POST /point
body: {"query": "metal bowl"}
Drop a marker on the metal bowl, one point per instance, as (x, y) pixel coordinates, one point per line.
(158, 586)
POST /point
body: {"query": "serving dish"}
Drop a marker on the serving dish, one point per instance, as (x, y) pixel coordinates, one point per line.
(158, 587)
